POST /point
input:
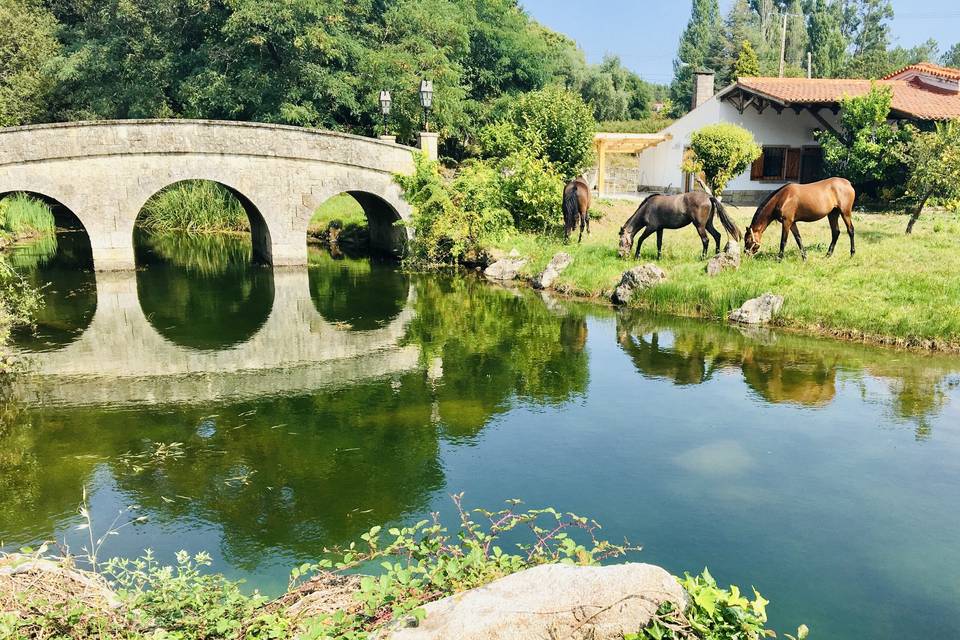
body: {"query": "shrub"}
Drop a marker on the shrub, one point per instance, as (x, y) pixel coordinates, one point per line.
(721, 152)
(452, 219)
(553, 123)
(531, 190)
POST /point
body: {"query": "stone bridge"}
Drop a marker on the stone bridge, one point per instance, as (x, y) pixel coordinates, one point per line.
(121, 359)
(104, 172)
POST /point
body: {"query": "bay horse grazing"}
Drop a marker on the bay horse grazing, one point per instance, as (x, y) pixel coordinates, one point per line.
(576, 207)
(831, 198)
(659, 212)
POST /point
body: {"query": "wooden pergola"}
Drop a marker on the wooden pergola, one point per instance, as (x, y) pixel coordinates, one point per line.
(627, 143)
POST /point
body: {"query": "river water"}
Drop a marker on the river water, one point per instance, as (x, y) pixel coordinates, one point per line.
(293, 409)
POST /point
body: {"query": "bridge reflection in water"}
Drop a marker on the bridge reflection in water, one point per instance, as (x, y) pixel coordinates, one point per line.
(122, 358)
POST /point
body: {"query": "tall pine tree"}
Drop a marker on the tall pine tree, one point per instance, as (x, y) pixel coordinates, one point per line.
(700, 46)
(828, 45)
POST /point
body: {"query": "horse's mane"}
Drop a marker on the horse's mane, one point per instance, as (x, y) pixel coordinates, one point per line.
(639, 209)
(765, 202)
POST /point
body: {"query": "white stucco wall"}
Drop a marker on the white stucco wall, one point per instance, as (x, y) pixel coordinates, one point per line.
(660, 165)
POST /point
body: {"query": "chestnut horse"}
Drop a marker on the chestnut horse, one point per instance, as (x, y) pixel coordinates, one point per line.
(576, 207)
(831, 198)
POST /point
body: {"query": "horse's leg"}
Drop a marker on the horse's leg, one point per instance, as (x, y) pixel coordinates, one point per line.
(834, 218)
(704, 240)
(848, 220)
(713, 231)
(580, 238)
(785, 224)
(646, 234)
(586, 216)
(796, 236)
(659, 243)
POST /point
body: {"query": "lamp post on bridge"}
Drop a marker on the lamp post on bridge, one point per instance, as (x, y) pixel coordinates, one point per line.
(429, 142)
(386, 102)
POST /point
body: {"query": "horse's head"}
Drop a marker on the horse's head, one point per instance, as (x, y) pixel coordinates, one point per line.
(751, 241)
(626, 242)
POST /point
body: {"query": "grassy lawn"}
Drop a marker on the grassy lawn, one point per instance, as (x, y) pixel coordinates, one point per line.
(342, 208)
(902, 290)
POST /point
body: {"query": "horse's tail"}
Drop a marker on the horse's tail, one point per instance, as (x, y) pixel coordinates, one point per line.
(726, 220)
(571, 207)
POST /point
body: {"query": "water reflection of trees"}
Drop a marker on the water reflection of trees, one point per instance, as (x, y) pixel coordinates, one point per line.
(781, 368)
(61, 267)
(361, 293)
(202, 292)
(299, 472)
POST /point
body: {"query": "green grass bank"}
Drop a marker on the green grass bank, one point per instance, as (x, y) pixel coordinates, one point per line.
(897, 290)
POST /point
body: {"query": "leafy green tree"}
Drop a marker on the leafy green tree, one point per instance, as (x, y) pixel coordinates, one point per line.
(553, 124)
(742, 25)
(865, 152)
(934, 161)
(747, 64)
(27, 44)
(828, 45)
(722, 152)
(700, 46)
(952, 57)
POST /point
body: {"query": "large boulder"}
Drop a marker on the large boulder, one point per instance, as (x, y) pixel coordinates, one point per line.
(758, 310)
(550, 601)
(636, 279)
(505, 267)
(729, 260)
(555, 267)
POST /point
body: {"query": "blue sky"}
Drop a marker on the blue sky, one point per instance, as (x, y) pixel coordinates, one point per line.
(644, 33)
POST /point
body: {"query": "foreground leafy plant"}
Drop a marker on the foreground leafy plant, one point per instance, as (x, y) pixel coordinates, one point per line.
(715, 613)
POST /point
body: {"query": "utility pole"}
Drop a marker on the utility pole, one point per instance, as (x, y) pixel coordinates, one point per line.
(809, 64)
(783, 43)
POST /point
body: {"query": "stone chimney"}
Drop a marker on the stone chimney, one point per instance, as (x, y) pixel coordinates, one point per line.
(702, 87)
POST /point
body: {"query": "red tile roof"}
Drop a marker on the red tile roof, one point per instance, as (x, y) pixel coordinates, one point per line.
(928, 68)
(911, 98)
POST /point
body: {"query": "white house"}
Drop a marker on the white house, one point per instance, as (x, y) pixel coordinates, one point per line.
(784, 115)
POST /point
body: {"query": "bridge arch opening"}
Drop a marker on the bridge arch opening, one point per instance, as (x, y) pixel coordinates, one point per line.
(202, 281)
(56, 258)
(204, 207)
(358, 219)
(352, 240)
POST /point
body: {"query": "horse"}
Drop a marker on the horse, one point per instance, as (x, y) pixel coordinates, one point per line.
(658, 212)
(792, 203)
(576, 207)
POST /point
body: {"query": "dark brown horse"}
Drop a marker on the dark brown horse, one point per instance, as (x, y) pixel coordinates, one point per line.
(576, 207)
(659, 212)
(795, 203)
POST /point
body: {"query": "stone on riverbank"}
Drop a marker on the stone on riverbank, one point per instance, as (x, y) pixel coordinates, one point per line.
(642, 277)
(505, 268)
(728, 260)
(556, 266)
(758, 310)
(551, 601)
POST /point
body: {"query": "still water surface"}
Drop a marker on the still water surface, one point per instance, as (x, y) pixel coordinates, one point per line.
(312, 404)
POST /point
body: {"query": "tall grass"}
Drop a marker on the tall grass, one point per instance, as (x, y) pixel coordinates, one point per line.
(23, 215)
(194, 206)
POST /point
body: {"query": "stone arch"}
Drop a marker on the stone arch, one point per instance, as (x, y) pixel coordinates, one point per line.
(259, 230)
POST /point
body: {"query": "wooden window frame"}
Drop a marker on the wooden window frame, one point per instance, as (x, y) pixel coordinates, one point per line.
(783, 165)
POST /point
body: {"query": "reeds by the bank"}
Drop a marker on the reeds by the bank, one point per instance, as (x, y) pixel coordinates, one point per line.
(194, 206)
(23, 215)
